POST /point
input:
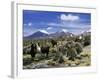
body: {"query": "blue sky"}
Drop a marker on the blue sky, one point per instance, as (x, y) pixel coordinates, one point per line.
(50, 22)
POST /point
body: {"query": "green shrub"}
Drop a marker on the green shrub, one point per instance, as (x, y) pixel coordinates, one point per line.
(39, 56)
(78, 47)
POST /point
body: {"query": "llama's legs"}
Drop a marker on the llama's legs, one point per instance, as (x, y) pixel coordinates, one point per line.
(33, 55)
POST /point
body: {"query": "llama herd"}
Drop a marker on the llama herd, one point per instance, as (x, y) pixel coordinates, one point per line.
(70, 48)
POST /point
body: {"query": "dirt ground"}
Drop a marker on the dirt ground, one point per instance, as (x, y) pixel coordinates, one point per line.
(84, 59)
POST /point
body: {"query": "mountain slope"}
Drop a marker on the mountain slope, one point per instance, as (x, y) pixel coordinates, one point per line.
(37, 34)
(40, 34)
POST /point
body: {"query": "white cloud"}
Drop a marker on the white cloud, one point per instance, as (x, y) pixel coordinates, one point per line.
(64, 30)
(53, 24)
(49, 28)
(69, 17)
(44, 31)
(29, 24)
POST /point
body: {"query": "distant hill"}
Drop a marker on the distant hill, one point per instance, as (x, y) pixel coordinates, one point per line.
(62, 33)
(40, 34)
(37, 34)
(86, 33)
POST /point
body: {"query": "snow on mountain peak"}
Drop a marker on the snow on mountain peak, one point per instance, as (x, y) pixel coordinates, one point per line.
(44, 31)
(64, 30)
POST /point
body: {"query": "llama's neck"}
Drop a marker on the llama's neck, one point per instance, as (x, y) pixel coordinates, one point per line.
(38, 48)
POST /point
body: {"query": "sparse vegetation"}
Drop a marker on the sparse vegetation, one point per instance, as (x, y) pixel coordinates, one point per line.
(57, 52)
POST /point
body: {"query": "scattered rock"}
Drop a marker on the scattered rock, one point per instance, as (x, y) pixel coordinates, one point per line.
(73, 65)
(66, 65)
(77, 62)
(78, 57)
(39, 65)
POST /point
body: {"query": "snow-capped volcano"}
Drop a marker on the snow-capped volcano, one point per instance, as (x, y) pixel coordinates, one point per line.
(43, 31)
(38, 34)
(45, 34)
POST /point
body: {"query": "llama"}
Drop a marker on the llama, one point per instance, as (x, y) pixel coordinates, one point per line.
(35, 48)
(45, 50)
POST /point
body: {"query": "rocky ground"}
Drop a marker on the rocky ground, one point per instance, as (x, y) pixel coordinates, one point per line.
(84, 59)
